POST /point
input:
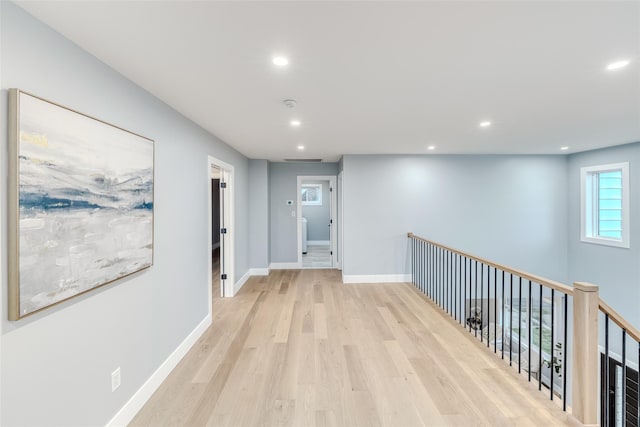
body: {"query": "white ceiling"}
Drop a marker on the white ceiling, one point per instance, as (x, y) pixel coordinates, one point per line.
(377, 77)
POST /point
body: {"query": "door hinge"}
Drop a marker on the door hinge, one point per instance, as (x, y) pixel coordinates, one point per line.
(223, 185)
(223, 277)
(223, 231)
(330, 221)
(330, 252)
(330, 189)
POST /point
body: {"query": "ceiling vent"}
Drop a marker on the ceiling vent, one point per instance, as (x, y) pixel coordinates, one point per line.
(304, 160)
(289, 103)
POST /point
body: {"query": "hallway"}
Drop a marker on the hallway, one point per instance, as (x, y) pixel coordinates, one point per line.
(299, 348)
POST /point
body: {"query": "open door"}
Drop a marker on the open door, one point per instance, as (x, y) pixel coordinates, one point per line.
(223, 174)
(309, 193)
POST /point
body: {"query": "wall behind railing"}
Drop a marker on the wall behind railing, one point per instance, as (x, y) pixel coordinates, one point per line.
(615, 270)
(512, 209)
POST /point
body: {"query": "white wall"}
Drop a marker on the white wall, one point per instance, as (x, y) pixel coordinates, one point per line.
(510, 209)
(615, 270)
(56, 365)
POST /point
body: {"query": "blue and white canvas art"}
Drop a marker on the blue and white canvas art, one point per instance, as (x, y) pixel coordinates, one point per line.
(84, 204)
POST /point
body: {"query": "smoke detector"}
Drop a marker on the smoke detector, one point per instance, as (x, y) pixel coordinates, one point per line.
(290, 103)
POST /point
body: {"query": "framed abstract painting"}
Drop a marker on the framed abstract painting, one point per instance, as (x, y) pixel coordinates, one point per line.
(81, 199)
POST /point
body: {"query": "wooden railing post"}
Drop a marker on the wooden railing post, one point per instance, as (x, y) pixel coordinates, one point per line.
(584, 384)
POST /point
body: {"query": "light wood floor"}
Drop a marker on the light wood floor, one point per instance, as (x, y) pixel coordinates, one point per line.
(317, 256)
(299, 348)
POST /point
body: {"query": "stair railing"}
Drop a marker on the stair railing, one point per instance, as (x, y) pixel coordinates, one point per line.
(524, 319)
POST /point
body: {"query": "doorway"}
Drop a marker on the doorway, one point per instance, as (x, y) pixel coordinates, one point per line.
(317, 222)
(221, 231)
(216, 214)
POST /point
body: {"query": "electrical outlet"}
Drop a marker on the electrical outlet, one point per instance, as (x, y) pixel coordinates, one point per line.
(115, 379)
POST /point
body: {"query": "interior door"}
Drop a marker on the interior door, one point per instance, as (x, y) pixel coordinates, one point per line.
(224, 236)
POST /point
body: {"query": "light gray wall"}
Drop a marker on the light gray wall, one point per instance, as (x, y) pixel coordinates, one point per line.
(615, 270)
(56, 365)
(511, 209)
(259, 213)
(318, 216)
(283, 184)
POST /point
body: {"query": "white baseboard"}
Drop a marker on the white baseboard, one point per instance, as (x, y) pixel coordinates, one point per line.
(284, 266)
(259, 271)
(318, 242)
(376, 278)
(144, 393)
(240, 283)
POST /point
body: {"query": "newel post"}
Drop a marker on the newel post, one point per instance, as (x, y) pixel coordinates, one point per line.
(584, 384)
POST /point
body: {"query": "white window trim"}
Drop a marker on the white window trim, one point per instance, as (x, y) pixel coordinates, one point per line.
(585, 199)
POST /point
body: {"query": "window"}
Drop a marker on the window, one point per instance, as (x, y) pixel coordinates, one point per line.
(311, 194)
(605, 204)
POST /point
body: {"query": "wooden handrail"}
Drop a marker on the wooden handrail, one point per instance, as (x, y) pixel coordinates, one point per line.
(537, 279)
(616, 318)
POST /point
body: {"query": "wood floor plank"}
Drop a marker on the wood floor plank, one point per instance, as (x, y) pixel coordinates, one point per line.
(300, 348)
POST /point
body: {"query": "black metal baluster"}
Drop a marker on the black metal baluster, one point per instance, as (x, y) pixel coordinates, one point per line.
(413, 258)
(638, 382)
(460, 290)
(481, 301)
(427, 269)
(438, 260)
(503, 319)
(419, 263)
(605, 390)
(442, 263)
(519, 324)
(446, 287)
(475, 327)
(552, 344)
(466, 313)
(429, 272)
(564, 360)
(529, 331)
(445, 281)
(488, 309)
(423, 265)
(495, 309)
(451, 271)
(454, 301)
(624, 377)
(442, 279)
(540, 343)
(510, 319)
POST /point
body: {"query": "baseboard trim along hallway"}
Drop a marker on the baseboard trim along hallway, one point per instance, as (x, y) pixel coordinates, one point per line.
(144, 393)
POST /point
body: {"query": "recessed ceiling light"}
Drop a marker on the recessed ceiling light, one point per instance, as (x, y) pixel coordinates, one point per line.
(280, 61)
(618, 64)
(485, 124)
(300, 147)
(295, 123)
(431, 147)
(565, 148)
